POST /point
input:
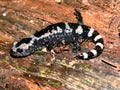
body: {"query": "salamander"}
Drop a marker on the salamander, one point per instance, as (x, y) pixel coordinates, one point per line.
(58, 34)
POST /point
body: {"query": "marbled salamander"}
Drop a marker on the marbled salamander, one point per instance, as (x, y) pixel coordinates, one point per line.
(59, 34)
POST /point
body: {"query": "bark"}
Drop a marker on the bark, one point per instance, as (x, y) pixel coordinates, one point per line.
(21, 18)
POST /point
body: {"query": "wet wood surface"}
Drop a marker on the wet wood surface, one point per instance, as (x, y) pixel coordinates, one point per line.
(21, 18)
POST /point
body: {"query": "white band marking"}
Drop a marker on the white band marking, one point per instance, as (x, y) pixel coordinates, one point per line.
(90, 33)
(79, 30)
(94, 52)
(85, 55)
(67, 26)
(59, 30)
(100, 44)
(97, 37)
(46, 35)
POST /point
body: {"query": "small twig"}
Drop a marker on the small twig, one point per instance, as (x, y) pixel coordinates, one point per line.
(115, 65)
(111, 21)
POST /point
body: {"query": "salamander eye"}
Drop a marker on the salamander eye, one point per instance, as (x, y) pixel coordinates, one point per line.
(19, 50)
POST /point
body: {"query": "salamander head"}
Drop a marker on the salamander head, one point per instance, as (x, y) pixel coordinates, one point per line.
(24, 47)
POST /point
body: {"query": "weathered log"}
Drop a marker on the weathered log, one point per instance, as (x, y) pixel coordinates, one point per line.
(21, 18)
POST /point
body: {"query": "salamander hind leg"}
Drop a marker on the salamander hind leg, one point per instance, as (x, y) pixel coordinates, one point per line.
(78, 17)
(76, 47)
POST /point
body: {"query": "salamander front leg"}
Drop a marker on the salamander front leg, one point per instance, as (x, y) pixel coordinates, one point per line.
(50, 47)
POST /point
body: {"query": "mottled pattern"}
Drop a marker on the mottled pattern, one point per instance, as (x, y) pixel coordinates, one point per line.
(59, 34)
